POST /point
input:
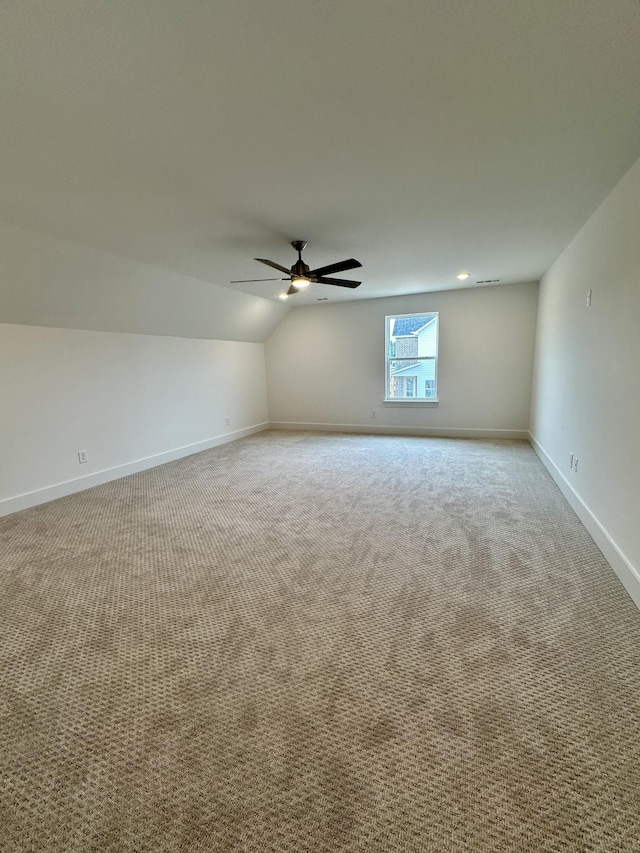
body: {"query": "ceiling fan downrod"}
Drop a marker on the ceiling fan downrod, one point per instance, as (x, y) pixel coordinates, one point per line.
(299, 270)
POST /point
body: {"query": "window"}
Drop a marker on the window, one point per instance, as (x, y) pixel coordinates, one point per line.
(411, 357)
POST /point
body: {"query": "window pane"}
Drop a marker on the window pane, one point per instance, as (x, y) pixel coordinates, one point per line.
(411, 379)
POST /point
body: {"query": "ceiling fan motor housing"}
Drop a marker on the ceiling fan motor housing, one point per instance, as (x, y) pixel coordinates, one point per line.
(299, 269)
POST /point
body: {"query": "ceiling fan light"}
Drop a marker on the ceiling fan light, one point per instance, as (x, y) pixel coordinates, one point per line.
(300, 281)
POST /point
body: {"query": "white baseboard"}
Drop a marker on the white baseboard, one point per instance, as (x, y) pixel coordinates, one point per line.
(628, 575)
(78, 484)
(433, 432)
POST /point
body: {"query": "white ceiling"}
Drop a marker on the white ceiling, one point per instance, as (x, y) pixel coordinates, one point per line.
(423, 137)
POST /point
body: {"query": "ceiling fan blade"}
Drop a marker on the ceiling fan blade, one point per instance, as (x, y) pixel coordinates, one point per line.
(341, 266)
(340, 282)
(274, 265)
(247, 280)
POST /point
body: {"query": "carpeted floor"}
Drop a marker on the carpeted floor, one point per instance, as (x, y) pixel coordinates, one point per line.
(306, 642)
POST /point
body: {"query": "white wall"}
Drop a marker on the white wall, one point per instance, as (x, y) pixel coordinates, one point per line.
(586, 397)
(325, 364)
(131, 401)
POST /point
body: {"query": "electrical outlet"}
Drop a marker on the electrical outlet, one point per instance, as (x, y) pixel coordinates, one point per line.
(83, 456)
(589, 298)
(575, 463)
(571, 460)
(373, 414)
(227, 421)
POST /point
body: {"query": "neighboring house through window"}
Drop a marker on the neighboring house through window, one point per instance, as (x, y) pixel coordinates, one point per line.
(412, 357)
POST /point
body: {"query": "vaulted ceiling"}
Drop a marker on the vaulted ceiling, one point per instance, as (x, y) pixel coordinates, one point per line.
(422, 137)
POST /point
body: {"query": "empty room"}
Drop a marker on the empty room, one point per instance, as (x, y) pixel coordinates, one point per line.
(319, 419)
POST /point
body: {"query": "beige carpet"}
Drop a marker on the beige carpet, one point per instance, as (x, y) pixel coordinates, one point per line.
(308, 642)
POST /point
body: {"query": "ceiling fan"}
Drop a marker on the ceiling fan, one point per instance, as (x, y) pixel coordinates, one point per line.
(300, 275)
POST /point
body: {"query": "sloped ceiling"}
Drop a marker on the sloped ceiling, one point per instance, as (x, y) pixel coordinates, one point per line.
(422, 137)
(46, 281)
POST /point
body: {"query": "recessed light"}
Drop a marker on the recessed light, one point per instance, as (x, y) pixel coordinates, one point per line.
(283, 296)
(463, 275)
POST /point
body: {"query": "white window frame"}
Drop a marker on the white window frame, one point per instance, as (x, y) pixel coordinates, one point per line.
(410, 401)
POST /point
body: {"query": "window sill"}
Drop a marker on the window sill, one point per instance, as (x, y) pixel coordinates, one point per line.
(430, 404)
